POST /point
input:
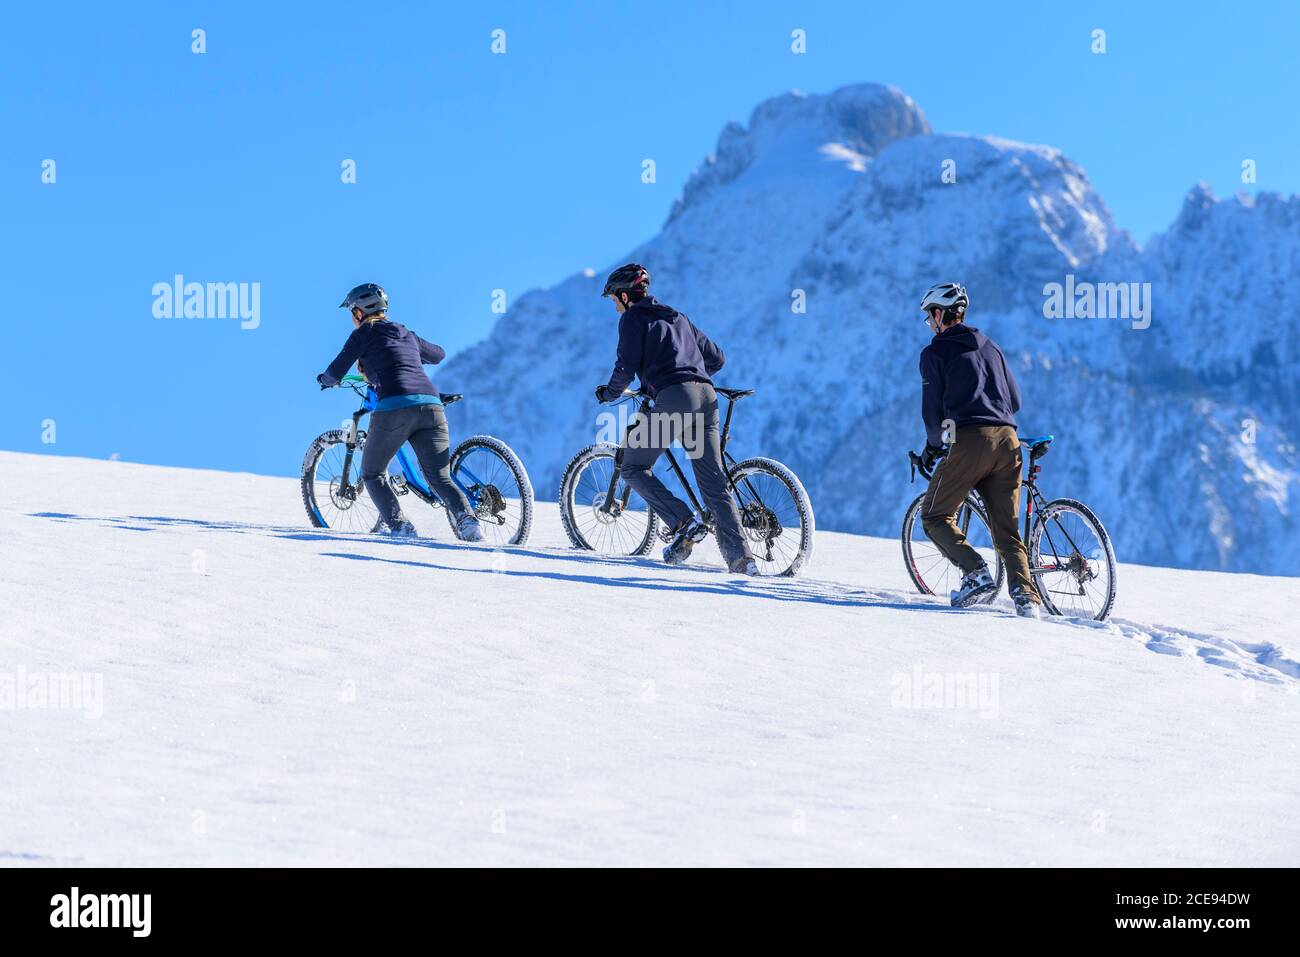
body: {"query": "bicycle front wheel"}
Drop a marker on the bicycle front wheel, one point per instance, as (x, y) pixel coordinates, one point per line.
(334, 496)
(621, 526)
(497, 487)
(1072, 561)
(776, 515)
(929, 568)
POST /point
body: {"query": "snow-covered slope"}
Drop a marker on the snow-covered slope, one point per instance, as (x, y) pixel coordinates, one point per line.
(276, 694)
(1179, 435)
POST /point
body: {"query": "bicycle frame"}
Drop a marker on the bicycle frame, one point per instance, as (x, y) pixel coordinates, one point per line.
(1033, 500)
(728, 462)
(411, 479)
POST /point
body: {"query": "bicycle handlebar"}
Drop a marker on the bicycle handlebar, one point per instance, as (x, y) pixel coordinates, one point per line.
(918, 465)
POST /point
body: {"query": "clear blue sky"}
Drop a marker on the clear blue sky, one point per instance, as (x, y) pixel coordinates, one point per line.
(478, 171)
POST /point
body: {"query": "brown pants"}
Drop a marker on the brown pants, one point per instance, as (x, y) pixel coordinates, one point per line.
(987, 459)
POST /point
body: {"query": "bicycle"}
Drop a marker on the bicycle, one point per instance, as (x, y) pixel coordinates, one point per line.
(485, 468)
(601, 513)
(1070, 553)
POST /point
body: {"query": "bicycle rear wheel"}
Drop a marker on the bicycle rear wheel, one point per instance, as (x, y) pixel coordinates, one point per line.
(622, 527)
(497, 487)
(929, 568)
(776, 515)
(1072, 561)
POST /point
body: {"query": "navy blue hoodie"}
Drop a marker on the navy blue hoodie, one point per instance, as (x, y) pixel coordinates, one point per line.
(964, 377)
(662, 347)
(393, 358)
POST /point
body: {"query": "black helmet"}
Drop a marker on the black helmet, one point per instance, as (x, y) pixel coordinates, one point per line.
(367, 297)
(626, 279)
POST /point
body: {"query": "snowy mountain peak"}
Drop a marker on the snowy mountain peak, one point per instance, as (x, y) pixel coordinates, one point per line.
(1197, 204)
(790, 133)
(1169, 396)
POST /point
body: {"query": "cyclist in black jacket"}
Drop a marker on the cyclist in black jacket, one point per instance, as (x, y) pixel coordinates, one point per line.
(675, 363)
(968, 391)
(392, 358)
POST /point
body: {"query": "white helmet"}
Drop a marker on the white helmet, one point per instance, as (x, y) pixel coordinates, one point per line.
(947, 296)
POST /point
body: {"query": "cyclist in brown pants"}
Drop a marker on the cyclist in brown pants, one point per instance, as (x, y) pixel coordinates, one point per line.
(968, 390)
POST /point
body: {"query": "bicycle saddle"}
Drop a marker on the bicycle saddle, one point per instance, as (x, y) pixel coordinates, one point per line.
(449, 397)
(733, 394)
(1037, 444)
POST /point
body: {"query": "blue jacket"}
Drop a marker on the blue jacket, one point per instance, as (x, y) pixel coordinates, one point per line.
(393, 359)
(662, 347)
(964, 377)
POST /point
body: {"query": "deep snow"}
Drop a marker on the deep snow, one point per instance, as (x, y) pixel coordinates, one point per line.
(273, 694)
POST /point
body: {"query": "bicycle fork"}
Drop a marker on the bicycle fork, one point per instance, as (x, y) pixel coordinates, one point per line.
(613, 505)
(346, 488)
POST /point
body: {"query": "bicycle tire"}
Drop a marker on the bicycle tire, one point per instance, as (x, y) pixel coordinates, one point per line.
(520, 475)
(947, 574)
(634, 543)
(365, 515)
(1104, 556)
(757, 527)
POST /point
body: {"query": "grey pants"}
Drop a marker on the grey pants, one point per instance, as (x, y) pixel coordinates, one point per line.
(425, 427)
(702, 439)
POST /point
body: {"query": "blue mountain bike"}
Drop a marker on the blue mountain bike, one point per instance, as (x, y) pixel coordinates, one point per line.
(486, 469)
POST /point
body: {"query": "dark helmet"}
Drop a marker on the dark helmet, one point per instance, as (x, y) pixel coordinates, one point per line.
(626, 279)
(367, 297)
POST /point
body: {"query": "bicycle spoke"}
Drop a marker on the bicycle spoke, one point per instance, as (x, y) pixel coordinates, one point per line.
(610, 532)
(771, 523)
(481, 468)
(931, 566)
(357, 514)
(1075, 567)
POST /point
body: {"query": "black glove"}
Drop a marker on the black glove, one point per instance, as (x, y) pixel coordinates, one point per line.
(321, 380)
(932, 454)
(600, 394)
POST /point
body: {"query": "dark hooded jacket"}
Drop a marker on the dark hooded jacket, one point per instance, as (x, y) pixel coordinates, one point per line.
(392, 356)
(662, 347)
(965, 377)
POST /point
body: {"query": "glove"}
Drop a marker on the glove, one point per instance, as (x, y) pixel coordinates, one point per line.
(326, 381)
(601, 396)
(932, 454)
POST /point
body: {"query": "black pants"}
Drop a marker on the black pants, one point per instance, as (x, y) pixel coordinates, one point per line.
(672, 406)
(425, 427)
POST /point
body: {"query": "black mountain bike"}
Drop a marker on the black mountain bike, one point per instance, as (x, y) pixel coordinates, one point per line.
(601, 513)
(1070, 554)
(486, 469)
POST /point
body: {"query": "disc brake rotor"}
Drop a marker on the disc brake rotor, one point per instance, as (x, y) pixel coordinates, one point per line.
(342, 501)
(605, 516)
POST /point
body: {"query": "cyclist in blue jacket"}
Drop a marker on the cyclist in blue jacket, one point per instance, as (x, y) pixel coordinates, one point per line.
(392, 358)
